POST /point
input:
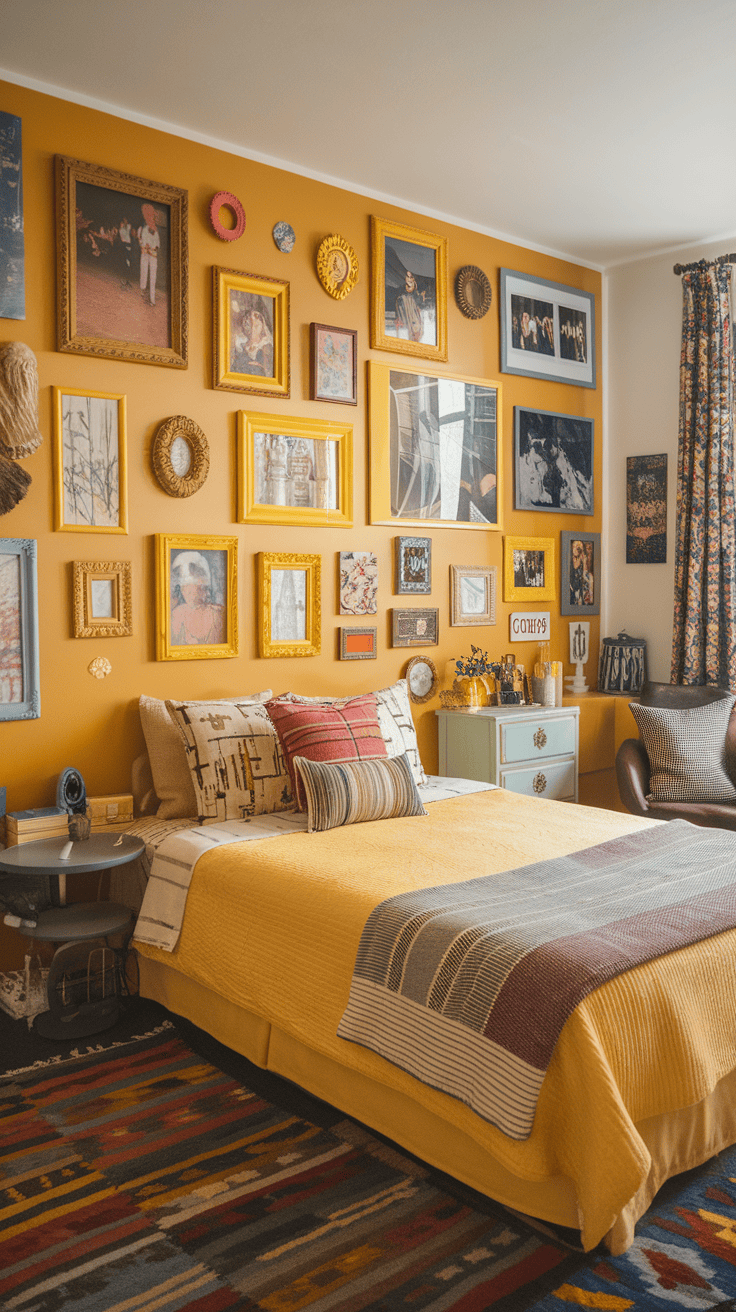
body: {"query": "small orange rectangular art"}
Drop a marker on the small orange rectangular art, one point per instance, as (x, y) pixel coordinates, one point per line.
(358, 644)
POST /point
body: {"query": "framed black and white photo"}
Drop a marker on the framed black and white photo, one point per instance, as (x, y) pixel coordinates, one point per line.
(553, 462)
(580, 573)
(547, 330)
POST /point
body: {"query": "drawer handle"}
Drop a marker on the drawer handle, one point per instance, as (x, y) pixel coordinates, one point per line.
(540, 739)
(539, 783)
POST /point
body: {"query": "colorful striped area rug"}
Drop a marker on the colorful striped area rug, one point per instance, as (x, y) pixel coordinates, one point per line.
(144, 1179)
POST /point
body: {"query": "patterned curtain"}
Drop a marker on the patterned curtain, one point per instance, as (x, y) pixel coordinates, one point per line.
(704, 638)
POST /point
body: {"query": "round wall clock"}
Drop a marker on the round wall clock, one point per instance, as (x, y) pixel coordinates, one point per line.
(180, 456)
(421, 678)
(337, 266)
(472, 292)
(226, 198)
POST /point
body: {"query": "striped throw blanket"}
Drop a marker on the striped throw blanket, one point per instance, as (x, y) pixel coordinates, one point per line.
(467, 986)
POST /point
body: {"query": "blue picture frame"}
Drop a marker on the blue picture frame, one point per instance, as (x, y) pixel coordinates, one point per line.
(20, 693)
(547, 330)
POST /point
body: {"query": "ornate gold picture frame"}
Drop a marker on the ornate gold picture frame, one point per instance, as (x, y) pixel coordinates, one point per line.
(251, 322)
(196, 597)
(529, 569)
(294, 471)
(408, 290)
(90, 461)
(290, 604)
(103, 598)
(180, 456)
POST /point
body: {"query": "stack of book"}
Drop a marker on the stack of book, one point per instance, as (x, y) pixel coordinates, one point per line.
(40, 822)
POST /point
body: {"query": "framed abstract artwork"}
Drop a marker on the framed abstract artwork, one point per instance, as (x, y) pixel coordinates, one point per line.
(90, 462)
(646, 510)
(413, 568)
(358, 644)
(358, 583)
(294, 471)
(103, 601)
(553, 462)
(580, 573)
(472, 594)
(251, 321)
(529, 569)
(415, 627)
(20, 689)
(333, 361)
(435, 453)
(290, 603)
(196, 597)
(122, 265)
(408, 290)
(547, 330)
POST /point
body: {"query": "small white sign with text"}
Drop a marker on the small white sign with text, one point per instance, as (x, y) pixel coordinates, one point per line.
(529, 626)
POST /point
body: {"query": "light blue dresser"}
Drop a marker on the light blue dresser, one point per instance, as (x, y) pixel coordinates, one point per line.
(530, 750)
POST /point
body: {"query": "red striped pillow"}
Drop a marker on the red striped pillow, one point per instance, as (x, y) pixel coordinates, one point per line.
(341, 731)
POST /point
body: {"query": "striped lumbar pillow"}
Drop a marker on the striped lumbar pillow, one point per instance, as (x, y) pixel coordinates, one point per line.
(686, 747)
(349, 792)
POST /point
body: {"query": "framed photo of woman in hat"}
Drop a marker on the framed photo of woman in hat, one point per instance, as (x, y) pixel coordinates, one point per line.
(122, 265)
(196, 597)
(408, 290)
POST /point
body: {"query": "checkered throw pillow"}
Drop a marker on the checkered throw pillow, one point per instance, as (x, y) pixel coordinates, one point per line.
(686, 747)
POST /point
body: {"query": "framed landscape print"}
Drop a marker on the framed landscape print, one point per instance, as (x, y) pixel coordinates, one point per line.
(435, 457)
(290, 601)
(580, 573)
(547, 330)
(20, 696)
(122, 265)
(529, 569)
(553, 462)
(91, 474)
(415, 627)
(103, 603)
(358, 582)
(251, 319)
(333, 359)
(196, 597)
(294, 471)
(646, 510)
(472, 594)
(408, 290)
(413, 565)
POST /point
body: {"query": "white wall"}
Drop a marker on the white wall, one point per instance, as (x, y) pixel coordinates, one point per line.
(644, 324)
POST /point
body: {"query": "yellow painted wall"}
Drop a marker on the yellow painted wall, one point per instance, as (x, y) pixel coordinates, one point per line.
(93, 724)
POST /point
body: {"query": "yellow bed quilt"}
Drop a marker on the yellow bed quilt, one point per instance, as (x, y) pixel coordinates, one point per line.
(274, 927)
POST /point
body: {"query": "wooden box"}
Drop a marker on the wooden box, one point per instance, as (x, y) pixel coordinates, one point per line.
(114, 809)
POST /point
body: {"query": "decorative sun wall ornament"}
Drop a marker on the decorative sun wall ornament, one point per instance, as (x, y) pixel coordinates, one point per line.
(472, 292)
(225, 199)
(100, 667)
(337, 266)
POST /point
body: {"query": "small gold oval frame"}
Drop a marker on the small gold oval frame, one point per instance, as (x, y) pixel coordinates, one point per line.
(473, 292)
(337, 266)
(180, 485)
(421, 660)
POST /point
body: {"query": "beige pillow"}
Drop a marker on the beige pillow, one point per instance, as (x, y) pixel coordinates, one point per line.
(167, 755)
(235, 759)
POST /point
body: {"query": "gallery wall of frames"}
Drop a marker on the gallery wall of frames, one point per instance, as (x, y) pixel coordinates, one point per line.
(289, 434)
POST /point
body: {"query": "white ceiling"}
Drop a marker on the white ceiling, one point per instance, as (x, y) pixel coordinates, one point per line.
(602, 130)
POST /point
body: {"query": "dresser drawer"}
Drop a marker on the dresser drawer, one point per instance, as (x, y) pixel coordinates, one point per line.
(529, 740)
(555, 780)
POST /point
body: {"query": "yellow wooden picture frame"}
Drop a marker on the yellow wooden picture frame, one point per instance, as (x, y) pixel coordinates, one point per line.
(302, 464)
(196, 597)
(90, 461)
(290, 603)
(405, 466)
(251, 324)
(105, 612)
(534, 559)
(408, 305)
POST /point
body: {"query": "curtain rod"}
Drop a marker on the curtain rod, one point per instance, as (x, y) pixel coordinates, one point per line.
(704, 264)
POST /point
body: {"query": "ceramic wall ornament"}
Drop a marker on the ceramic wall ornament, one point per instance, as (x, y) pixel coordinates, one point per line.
(19, 433)
(284, 237)
(225, 199)
(99, 668)
(337, 266)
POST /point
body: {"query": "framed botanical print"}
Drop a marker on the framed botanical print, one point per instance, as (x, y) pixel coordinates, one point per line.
(529, 569)
(413, 565)
(103, 604)
(435, 453)
(333, 359)
(294, 471)
(196, 597)
(417, 627)
(90, 462)
(122, 265)
(290, 602)
(20, 691)
(408, 290)
(472, 594)
(580, 573)
(358, 582)
(553, 462)
(547, 330)
(251, 320)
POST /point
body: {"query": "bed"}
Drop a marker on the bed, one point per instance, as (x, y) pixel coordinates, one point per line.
(642, 1082)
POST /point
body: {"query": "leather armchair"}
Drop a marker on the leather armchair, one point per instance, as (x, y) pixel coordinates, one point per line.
(632, 762)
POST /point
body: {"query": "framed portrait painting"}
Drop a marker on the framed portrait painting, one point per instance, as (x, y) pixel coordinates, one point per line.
(196, 597)
(294, 471)
(103, 600)
(90, 462)
(435, 449)
(333, 359)
(646, 510)
(408, 290)
(290, 600)
(20, 694)
(529, 569)
(580, 573)
(251, 319)
(553, 462)
(547, 330)
(122, 265)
